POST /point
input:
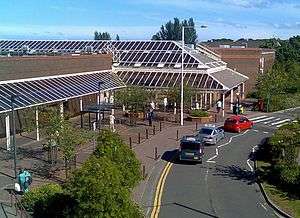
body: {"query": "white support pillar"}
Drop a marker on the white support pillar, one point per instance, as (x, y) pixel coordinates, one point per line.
(231, 99)
(242, 90)
(210, 100)
(205, 99)
(101, 97)
(61, 109)
(80, 104)
(37, 124)
(112, 97)
(223, 104)
(201, 101)
(98, 103)
(7, 128)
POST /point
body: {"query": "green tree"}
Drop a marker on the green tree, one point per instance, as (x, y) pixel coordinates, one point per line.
(111, 146)
(101, 36)
(173, 95)
(172, 31)
(98, 190)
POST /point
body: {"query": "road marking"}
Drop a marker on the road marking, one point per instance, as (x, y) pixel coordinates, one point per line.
(272, 120)
(159, 190)
(255, 130)
(210, 160)
(249, 165)
(206, 175)
(266, 132)
(257, 118)
(261, 204)
(265, 119)
(279, 122)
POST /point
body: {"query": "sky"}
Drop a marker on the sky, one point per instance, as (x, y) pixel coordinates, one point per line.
(140, 19)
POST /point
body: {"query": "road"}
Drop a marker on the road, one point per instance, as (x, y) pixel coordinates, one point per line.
(224, 185)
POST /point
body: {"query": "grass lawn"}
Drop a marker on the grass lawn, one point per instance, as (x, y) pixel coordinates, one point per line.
(280, 198)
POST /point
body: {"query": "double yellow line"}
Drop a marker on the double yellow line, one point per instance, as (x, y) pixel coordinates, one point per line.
(159, 190)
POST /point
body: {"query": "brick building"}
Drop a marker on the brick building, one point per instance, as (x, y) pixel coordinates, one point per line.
(248, 61)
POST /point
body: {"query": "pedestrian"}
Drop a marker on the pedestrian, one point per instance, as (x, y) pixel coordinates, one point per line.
(112, 122)
(150, 116)
(24, 180)
(219, 106)
(165, 104)
(152, 105)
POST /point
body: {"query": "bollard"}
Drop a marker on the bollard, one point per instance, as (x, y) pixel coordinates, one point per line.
(160, 126)
(139, 138)
(130, 143)
(177, 135)
(147, 134)
(144, 171)
(153, 129)
(155, 153)
(196, 126)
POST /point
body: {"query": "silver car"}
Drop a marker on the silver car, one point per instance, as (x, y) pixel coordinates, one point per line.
(210, 134)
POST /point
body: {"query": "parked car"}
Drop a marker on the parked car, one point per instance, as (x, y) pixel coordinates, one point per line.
(237, 124)
(191, 149)
(210, 134)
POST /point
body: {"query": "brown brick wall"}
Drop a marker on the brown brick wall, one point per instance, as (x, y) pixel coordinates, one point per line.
(247, 62)
(32, 66)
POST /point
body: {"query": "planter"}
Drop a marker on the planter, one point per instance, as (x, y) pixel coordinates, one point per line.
(138, 115)
(208, 119)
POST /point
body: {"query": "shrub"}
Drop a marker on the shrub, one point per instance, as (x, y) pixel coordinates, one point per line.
(199, 113)
(111, 146)
(39, 195)
(97, 188)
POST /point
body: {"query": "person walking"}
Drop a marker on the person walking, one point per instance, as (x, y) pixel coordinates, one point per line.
(219, 106)
(150, 116)
(112, 122)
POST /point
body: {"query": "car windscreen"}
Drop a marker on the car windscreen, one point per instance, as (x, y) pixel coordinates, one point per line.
(230, 121)
(190, 146)
(205, 131)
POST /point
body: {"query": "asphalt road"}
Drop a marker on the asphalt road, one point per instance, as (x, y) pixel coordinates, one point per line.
(224, 186)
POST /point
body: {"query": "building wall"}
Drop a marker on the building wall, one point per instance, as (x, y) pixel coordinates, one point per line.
(247, 61)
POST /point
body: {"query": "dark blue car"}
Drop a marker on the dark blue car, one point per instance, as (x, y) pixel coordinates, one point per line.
(191, 149)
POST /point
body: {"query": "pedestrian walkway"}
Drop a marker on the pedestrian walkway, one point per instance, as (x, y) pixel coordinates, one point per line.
(272, 120)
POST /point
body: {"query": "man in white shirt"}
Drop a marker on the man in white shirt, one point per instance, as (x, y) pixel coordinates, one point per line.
(219, 106)
(112, 122)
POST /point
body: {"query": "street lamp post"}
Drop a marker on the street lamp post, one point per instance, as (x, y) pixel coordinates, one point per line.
(99, 120)
(182, 71)
(12, 101)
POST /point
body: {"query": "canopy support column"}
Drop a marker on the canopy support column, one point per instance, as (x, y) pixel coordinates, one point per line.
(242, 90)
(210, 100)
(231, 99)
(7, 128)
(37, 124)
(61, 109)
(98, 103)
(205, 99)
(81, 109)
(223, 104)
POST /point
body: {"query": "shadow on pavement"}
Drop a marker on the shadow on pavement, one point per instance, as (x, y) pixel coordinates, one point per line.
(236, 173)
(173, 157)
(192, 209)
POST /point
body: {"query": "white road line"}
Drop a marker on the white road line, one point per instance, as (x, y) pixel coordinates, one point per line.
(210, 160)
(272, 120)
(279, 122)
(255, 130)
(261, 120)
(263, 206)
(248, 162)
(266, 132)
(256, 118)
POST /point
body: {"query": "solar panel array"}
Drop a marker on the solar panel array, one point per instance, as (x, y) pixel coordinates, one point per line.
(154, 79)
(36, 92)
(161, 54)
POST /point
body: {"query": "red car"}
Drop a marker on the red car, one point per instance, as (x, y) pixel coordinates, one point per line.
(237, 124)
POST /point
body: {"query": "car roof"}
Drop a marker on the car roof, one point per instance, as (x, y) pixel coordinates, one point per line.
(190, 138)
(236, 117)
(209, 127)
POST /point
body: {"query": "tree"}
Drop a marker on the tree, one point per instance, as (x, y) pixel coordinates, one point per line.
(111, 146)
(173, 95)
(101, 36)
(117, 37)
(98, 190)
(172, 31)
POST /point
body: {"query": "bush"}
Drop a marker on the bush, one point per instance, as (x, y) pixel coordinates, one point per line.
(111, 146)
(98, 190)
(199, 113)
(40, 195)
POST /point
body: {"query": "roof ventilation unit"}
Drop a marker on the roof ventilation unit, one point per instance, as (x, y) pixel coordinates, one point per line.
(161, 65)
(137, 64)
(178, 65)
